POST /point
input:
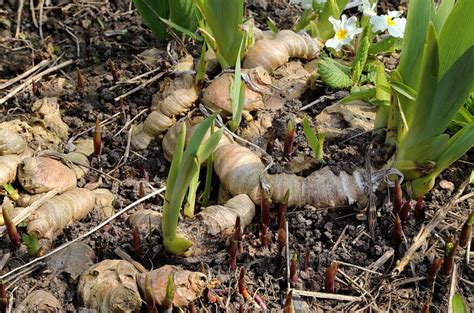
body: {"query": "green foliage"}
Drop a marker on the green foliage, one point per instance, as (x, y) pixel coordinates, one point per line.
(191, 198)
(458, 303)
(183, 168)
(358, 63)
(384, 46)
(315, 142)
(12, 193)
(332, 75)
(221, 28)
(432, 83)
(272, 25)
(237, 93)
(305, 19)
(332, 8)
(150, 11)
(179, 14)
(32, 244)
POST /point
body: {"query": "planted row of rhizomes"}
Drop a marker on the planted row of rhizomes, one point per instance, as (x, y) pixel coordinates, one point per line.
(238, 168)
(30, 161)
(180, 94)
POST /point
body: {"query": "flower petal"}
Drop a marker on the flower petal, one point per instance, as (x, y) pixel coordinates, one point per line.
(379, 23)
(351, 24)
(398, 29)
(394, 14)
(336, 24)
(334, 43)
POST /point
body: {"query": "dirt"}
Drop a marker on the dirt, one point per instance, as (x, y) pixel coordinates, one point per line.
(90, 33)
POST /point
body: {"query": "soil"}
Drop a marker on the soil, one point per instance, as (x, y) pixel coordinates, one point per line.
(90, 33)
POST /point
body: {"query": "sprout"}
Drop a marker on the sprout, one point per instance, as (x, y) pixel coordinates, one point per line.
(345, 30)
(391, 22)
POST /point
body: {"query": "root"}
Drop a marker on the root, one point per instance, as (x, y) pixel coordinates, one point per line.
(39, 301)
(272, 53)
(41, 174)
(56, 213)
(9, 165)
(217, 95)
(11, 142)
(188, 285)
(110, 286)
(239, 170)
(177, 98)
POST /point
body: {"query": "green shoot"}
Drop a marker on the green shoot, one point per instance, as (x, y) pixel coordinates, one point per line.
(272, 25)
(178, 14)
(169, 295)
(183, 168)
(32, 244)
(12, 193)
(432, 83)
(191, 199)
(315, 142)
(221, 28)
(237, 94)
(206, 194)
(458, 304)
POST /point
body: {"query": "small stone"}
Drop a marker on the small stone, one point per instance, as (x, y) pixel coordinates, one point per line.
(328, 226)
(447, 185)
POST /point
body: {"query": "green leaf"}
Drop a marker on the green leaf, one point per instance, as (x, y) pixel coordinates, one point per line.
(237, 94)
(457, 146)
(451, 93)
(11, 192)
(404, 90)
(362, 94)
(456, 36)
(206, 194)
(471, 178)
(442, 13)
(192, 190)
(306, 17)
(168, 214)
(272, 25)
(179, 181)
(170, 289)
(383, 46)
(332, 75)
(316, 143)
(181, 29)
(32, 244)
(459, 305)
(325, 27)
(201, 66)
(208, 147)
(184, 14)
(429, 149)
(223, 21)
(151, 11)
(418, 19)
(364, 46)
(420, 112)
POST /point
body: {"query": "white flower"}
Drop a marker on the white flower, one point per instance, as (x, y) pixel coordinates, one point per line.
(321, 1)
(392, 21)
(345, 30)
(367, 8)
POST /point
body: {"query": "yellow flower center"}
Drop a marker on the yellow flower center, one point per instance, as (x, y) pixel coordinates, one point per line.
(341, 34)
(390, 21)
